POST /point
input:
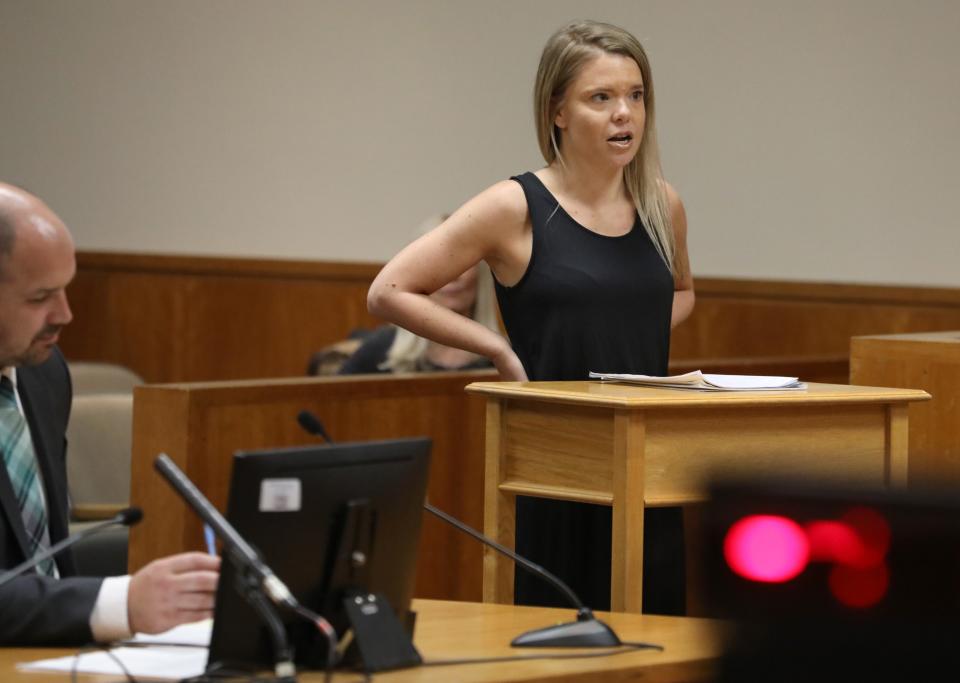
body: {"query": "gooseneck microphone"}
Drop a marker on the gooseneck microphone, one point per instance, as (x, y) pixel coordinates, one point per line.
(257, 582)
(126, 517)
(586, 631)
(241, 553)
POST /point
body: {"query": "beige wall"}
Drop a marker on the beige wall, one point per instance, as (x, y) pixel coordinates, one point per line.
(814, 139)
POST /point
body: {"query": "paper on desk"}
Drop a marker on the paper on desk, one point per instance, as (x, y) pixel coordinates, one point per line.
(197, 633)
(159, 662)
(747, 382)
(708, 382)
(154, 657)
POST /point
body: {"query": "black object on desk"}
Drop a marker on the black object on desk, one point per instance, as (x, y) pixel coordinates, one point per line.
(340, 526)
(833, 583)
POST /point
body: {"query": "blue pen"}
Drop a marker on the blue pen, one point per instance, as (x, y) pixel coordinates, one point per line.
(210, 538)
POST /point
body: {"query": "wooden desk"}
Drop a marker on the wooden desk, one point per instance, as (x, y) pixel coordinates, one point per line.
(458, 630)
(200, 426)
(629, 446)
(928, 361)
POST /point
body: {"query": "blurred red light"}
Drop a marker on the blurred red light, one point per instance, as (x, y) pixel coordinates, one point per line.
(837, 542)
(766, 548)
(873, 530)
(859, 588)
(772, 549)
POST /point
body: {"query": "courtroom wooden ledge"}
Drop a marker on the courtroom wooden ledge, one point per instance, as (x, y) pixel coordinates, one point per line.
(591, 496)
(612, 394)
(343, 385)
(173, 264)
(846, 293)
(560, 493)
(922, 338)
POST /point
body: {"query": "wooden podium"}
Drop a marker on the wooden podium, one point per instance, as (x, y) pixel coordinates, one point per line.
(630, 446)
(928, 361)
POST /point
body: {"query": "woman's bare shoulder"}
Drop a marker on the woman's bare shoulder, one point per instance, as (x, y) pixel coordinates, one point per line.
(673, 197)
(493, 226)
(502, 205)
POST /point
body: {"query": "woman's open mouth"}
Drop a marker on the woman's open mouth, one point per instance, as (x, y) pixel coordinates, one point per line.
(621, 139)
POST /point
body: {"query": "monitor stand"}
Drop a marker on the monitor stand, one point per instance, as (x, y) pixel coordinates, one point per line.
(379, 640)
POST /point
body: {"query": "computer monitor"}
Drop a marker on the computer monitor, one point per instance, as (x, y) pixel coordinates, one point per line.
(291, 505)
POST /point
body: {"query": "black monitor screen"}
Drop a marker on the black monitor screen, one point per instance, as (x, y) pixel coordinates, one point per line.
(289, 504)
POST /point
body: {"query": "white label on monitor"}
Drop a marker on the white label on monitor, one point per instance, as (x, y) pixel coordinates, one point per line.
(279, 495)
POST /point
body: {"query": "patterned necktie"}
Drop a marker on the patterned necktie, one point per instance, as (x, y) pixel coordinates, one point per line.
(21, 462)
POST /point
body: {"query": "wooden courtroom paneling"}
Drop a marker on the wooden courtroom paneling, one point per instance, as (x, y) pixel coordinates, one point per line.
(200, 425)
(928, 361)
(178, 318)
(182, 318)
(762, 318)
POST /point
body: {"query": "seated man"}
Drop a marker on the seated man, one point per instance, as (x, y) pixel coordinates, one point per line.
(51, 606)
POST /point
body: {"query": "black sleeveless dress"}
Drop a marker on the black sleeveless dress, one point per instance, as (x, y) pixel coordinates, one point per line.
(588, 302)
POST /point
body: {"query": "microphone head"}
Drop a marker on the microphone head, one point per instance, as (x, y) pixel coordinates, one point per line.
(130, 516)
(310, 422)
(312, 425)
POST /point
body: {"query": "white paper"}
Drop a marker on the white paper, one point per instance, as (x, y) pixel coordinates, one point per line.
(198, 633)
(690, 378)
(159, 662)
(749, 381)
(161, 656)
(700, 382)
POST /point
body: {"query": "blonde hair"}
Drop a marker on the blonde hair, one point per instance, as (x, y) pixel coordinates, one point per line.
(565, 53)
(407, 348)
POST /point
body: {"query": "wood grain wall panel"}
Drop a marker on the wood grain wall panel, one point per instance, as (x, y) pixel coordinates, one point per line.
(174, 319)
(134, 319)
(201, 425)
(181, 318)
(743, 318)
(928, 361)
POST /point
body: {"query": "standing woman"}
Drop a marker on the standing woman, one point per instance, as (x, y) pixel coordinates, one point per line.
(590, 260)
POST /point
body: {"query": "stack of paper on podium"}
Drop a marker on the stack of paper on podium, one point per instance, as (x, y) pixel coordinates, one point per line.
(699, 381)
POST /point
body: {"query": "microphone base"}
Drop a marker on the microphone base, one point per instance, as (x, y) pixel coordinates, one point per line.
(586, 633)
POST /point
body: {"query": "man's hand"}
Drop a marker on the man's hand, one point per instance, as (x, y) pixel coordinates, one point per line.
(172, 591)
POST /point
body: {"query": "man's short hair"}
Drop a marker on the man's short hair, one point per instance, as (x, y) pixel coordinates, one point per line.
(7, 236)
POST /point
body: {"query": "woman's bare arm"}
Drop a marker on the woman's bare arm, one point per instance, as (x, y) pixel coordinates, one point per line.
(491, 227)
(683, 294)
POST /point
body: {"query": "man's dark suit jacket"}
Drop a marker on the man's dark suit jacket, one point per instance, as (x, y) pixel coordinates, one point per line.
(34, 609)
